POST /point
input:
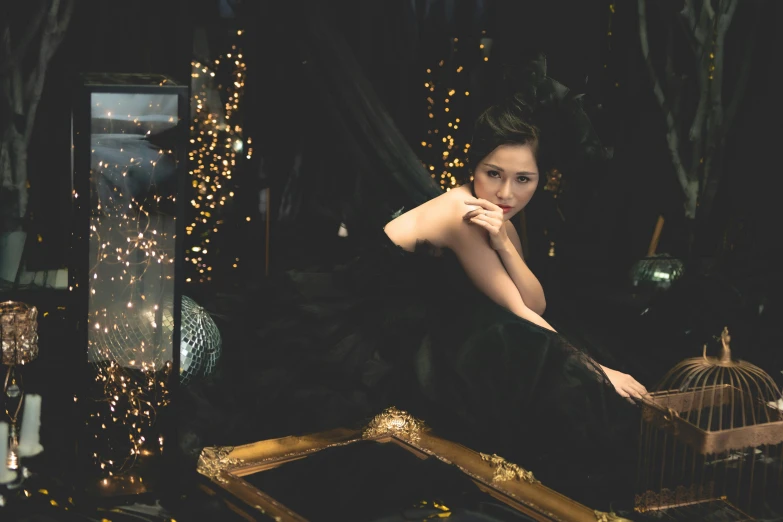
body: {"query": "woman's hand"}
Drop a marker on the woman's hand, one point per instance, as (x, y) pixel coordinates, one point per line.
(625, 385)
(490, 217)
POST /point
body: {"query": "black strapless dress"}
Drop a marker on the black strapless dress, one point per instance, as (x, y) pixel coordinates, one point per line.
(332, 346)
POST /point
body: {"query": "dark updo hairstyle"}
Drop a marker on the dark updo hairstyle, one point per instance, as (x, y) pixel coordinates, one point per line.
(505, 123)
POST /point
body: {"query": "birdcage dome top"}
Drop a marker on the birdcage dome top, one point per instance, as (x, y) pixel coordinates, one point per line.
(717, 393)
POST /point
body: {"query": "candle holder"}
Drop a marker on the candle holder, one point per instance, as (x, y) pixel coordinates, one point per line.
(19, 344)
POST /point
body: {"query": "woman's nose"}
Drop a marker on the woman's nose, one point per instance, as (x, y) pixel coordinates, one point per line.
(504, 192)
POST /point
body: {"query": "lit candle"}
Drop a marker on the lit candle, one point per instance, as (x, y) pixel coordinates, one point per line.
(6, 475)
(29, 445)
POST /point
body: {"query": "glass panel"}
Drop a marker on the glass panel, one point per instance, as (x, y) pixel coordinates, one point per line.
(133, 187)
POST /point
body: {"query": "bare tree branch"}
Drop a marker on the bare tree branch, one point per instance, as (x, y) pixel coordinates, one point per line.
(703, 63)
(744, 74)
(687, 21)
(5, 82)
(21, 89)
(715, 122)
(716, 101)
(673, 79)
(703, 28)
(63, 22)
(707, 7)
(689, 14)
(671, 128)
(54, 31)
(16, 93)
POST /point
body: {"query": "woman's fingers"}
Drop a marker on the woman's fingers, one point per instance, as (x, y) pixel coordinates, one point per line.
(486, 221)
(625, 395)
(488, 205)
(484, 211)
(638, 387)
(637, 390)
(489, 217)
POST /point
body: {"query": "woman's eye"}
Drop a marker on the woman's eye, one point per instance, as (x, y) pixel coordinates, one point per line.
(523, 179)
(493, 173)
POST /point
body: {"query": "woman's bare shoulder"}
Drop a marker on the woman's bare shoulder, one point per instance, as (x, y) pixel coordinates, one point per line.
(434, 221)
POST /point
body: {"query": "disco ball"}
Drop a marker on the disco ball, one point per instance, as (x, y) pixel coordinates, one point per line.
(133, 338)
(136, 337)
(658, 271)
(200, 344)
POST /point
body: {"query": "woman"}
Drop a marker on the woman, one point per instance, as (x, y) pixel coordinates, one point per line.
(439, 315)
(474, 221)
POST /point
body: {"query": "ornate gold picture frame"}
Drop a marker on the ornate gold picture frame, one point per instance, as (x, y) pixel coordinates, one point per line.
(504, 481)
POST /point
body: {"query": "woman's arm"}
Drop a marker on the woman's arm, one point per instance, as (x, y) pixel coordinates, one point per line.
(526, 282)
(484, 268)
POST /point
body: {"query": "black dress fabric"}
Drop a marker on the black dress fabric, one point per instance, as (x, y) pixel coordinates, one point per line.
(332, 346)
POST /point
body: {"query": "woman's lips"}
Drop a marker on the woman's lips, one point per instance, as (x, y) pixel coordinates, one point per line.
(506, 209)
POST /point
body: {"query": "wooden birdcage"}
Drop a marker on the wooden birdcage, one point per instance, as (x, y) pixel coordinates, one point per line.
(712, 430)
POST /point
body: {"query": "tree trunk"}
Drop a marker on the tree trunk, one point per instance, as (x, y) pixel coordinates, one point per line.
(706, 33)
(21, 89)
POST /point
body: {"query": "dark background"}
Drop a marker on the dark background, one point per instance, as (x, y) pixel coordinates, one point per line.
(613, 214)
(609, 212)
(735, 275)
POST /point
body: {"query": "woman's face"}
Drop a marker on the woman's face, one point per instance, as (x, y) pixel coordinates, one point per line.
(507, 177)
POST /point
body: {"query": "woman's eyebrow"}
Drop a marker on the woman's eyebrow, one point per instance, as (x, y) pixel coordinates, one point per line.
(518, 173)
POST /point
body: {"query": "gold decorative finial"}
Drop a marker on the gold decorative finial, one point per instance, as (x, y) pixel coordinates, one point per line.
(393, 422)
(505, 470)
(725, 339)
(213, 460)
(600, 516)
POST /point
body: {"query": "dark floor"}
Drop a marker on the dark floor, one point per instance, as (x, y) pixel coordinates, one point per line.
(642, 331)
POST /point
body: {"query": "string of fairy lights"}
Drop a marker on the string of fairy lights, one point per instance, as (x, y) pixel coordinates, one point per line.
(132, 237)
(132, 267)
(217, 145)
(447, 89)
